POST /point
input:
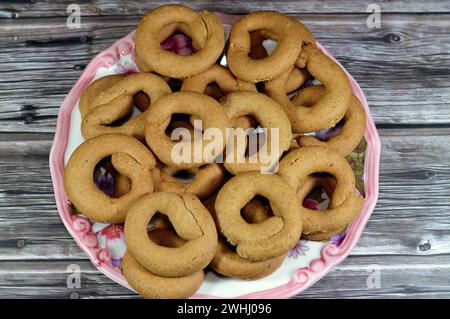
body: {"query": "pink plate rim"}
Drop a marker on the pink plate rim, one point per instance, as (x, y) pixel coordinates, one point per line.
(331, 255)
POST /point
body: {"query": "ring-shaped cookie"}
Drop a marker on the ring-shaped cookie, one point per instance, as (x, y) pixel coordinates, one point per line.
(350, 134)
(128, 156)
(149, 285)
(93, 89)
(117, 102)
(270, 238)
(328, 110)
(270, 116)
(256, 211)
(197, 35)
(152, 286)
(297, 166)
(297, 77)
(227, 262)
(278, 27)
(155, 58)
(202, 106)
(191, 221)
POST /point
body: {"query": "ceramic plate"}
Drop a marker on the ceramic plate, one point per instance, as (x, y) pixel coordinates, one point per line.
(306, 263)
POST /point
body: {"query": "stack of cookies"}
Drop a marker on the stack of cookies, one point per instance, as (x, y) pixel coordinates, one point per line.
(234, 206)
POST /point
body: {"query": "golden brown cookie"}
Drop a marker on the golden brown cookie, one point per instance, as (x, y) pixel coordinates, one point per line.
(116, 102)
(329, 109)
(278, 27)
(191, 221)
(202, 106)
(297, 77)
(227, 262)
(299, 164)
(205, 29)
(277, 135)
(270, 238)
(256, 211)
(350, 134)
(93, 89)
(128, 156)
(149, 285)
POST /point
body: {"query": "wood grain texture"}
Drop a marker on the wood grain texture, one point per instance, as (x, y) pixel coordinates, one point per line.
(399, 278)
(403, 68)
(48, 8)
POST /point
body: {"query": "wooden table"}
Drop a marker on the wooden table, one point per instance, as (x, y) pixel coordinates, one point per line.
(403, 68)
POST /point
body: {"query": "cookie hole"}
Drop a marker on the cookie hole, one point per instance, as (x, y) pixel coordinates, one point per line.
(173, 39)
(184, 175)
(109, 180)
(175, 84)
(256, 137)
(319, 197)
(160, 230)
(141, 101)
(255, 144)
(179, 121)
(166, 238)
(260, 87)
(121, 121)
(213, 90)
(326, 134)
(262, 45)
(159, 221)
(257, 210)
(229, 246)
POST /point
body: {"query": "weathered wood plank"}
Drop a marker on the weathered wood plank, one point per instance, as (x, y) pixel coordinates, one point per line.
(49, 8)
(403, 69)
(399, 277)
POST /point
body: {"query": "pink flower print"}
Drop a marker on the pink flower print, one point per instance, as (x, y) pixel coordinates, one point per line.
(104, 255)
(299, 249)
(90, 240)
(81, 225)
(338, 239)
(178, 43)
(310, 203)
(111, 237)
(112, 232)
